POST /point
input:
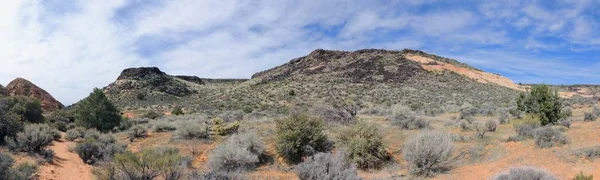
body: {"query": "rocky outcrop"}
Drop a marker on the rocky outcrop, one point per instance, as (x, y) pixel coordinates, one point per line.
(147, 79)
(193, 79)
(23, 87)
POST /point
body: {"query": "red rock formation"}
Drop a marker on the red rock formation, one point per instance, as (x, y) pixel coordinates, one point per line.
(23, 87)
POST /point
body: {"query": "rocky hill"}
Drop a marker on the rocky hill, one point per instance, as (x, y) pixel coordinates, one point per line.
(363, 78)
(23, 87)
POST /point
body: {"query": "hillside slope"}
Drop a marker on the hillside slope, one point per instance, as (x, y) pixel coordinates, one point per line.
(363, 78)
(23, 87)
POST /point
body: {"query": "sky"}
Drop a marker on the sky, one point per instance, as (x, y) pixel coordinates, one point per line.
(69, 47)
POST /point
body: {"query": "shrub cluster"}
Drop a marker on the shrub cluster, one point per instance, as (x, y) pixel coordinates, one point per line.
(220, 128)
(10, 123)
(177, 111)
(327, 166)
(34, 139)
(429, 152)
(239, 152)
(335, 115)
(409, 122)
(164, 127)
(21, 172)
(589, 152)
(193, 130)
(589, 117)
(300, 135)
(137, 131)
(491, 125)
(97, 149)
(364, 145)
(525, 173)
(160, 163)
(547, 136)
(542, 101)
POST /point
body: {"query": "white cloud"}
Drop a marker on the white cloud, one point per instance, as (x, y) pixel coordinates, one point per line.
(70, 47)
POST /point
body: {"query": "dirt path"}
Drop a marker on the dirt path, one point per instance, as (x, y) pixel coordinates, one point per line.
(66, 165)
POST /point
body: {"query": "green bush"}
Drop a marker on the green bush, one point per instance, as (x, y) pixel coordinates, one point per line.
(300, 135)
(364, 145)
(238, 152)
(96, 111)
(582, 176)
(34, 138)
(29, 109)
(10, 123)
(429, 152)
(542, 101)
(177, 111)
(220, 128)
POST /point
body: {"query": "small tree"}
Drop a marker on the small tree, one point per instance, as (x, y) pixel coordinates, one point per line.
(300, 135)
(543, 101)
(10, 123)
(96, 111)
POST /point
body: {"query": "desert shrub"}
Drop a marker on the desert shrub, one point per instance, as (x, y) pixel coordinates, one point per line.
(91, 134)
(589, 116)
(34, 138)
(103, 148)
(160, 163)
(542, 101)
(503, 117)
(480, 130)
(216, 175)
(547, 136)
(565, 122)
(300, 135)
(327, 166)
(515, 138)
(429, 152)
(125, 124)
(153, 115)
(73, 134)
(525, 173)
(589, 152)
(596, 111)
(220, 128)
(335, 115)
(468, 112)
(137, 132)
(491, 125)
(238, 152)
(21, 172)
(164, 127)
(582, 176)
(140, 96)
(191, 130)
(464, 125)
(526, 130)
(96, 111)
(177, 111)
(59, 121)
(409, 122)
(364, 145)
(567, 111)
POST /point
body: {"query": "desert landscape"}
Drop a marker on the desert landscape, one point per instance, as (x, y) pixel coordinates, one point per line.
(299, 90)
(359, 114)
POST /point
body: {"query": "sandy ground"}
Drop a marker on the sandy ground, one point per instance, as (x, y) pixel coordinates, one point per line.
(66, 165)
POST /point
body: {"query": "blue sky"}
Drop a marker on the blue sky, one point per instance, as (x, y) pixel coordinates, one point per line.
(70, 47)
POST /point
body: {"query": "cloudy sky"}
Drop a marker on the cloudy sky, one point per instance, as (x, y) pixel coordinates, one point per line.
(69, 47)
